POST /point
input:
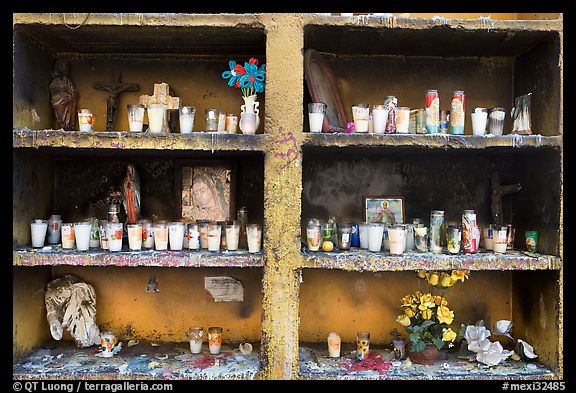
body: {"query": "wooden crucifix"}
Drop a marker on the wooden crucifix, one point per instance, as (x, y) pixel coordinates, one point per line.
(498, 191)
(115, 89)
(161, 96)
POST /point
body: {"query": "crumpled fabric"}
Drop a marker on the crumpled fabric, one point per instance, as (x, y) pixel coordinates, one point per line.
(71, 305)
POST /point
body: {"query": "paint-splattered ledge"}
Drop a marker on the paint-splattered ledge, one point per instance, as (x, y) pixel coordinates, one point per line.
(142, 361)
(430, 140)
(315, 364)
(186, 258)
(204, 141)
(363, 260)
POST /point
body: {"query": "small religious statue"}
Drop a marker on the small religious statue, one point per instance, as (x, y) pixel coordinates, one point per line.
(63, 96)
(131, 194)
(162, 96)
(115, 89)
(71, 304)
(498, 191)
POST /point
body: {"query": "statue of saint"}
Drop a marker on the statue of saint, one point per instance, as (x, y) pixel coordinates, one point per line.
(131, 194)
(63, 96)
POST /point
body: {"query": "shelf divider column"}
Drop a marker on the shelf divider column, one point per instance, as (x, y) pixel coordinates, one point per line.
(282, 195)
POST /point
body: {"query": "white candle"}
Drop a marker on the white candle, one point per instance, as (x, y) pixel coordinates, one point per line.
(479, 123)
(135, 237)
(363, 229)
(214, 340)
(379, 116)
(176, 235)
(68, 238)
(232, 237)
(136, 117)
(385, 239)
(203, 229)
(221, 122)
(402, 119)
(316, 120)
(214, 235)
(82, 233)
(334, 342)
(156, 116)
(161, 236)
(147, 233)
(397, 238)
(194, 235)
(375, 232)
(195, 346)
(254, 233)
(114, 232)
(186, 124)
(500, 240)
(409, 238)
(38, 229)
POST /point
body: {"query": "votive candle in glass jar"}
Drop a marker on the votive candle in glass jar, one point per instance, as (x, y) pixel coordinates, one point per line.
(363, 231)
(214, 234)
(454, 238)
(334, 343)
(488, 237)
(379, 118)
(102, 227)
(38, 230)
(114, 232)
(375, 232)
(436, 225)
(316, 111)
(156, 114)
(85, 120)
(221, 121)
(94, 232)
(344, 235)
(496, 121)
(361, 116)
(409, 237)
(232, 236)
(385, 238)
(313, 235)
(186, 119)
(397, 239)
(421, 238)
(196, 336)
(68, 238)
(254, 233)
(135, 237)
(203, 229)
(147, 233)
(211, 119)
(161, 235)
(193, 237)
(214, 339)
(362, 345)
(176, 235)
(136, 117)
(500, 238)
(402, 119)
(54, 229)
(82, 232)
(231, 123)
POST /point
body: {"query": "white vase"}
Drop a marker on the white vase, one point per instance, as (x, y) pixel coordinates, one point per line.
(251, 106)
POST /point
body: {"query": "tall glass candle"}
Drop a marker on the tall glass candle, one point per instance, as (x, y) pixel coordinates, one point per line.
(361, 115)
(203, 229)
(161, 235)
(409, 237)
(196, 335)
(362, 345)
(232, 236)
(316, 111)
(136, 117)
(156, 113)
(397, 239)
(193, 237)
(54, 229)
(488, 237)
(82, 233)
(375, 232)
(334, 343)
(114, 232)
(402, 119)
(147, 233)
(379, 117)
(186, 119)
(421, 238)
(94, 232)
(254, 233)
(500, 239)
(38, 230)
(214, 235)
(344, 235)
(436, 224)
(135, 237)
(68, 238)
(102, 226)
(214, 339)
(176, 235)
(211, 119)
(363, 229)
(454, 238)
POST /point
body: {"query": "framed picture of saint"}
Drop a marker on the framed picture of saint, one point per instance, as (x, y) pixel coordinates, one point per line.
(388, 210)
(206, 190)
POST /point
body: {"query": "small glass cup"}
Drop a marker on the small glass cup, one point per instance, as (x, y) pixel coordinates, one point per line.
(196, 336)
(402, 119)
(254, 233)
(232, 236)
(82, 232)
(211, 119)
(379, 118)
(361, 116)
(176, 235)
(362, 345)
(85, 120)
(496, 121)
(313, 236)
(531, 241)
(161, 235)
(102, 224)
(344, 235)
(135, 237)
(421, 238)
(156, 115)
(193, 237)
(68, 238)
(316, 111)
(114, 232)
(38, 230)
(214, 339)
(363, 232)
(186, 119)
(500, 239)
(231, 123)
(214, 237)
(334, 343)
(454, 238)
(136, 117)
(248, 123)
(397, 239)
(375, 233)
(479, 120)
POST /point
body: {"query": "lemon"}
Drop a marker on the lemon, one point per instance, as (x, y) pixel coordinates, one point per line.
(327, 245)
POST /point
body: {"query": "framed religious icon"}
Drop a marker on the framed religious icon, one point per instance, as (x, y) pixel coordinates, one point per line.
(384, 209)
(206, 190)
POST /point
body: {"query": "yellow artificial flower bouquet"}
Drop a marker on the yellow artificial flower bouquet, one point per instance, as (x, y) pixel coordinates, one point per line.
(427, 316)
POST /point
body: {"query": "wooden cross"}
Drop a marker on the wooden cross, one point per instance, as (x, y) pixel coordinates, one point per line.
(115, 89)
(161, 96)
(498, 191)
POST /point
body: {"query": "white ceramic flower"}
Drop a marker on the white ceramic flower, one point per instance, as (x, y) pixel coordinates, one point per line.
(493, 355)
(527, 349)
(502, 327)
(477, 338)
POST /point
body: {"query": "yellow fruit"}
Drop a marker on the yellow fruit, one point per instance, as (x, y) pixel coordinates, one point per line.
(327, 245)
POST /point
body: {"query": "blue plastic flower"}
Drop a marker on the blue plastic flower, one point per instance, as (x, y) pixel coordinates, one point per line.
(254, 77)
(235, 73)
